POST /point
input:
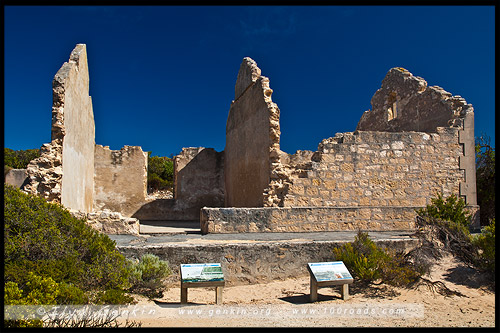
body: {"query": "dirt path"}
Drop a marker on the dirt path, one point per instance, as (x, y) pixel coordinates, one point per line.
(286, 303)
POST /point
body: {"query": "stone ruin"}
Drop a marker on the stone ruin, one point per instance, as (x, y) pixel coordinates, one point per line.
(415, 142)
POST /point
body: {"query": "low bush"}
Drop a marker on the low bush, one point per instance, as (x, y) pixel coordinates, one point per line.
(485, 242)
(450, 209)
(447, 222)
(46, 239)
(147, 276)
(369, 263)
(51, 257)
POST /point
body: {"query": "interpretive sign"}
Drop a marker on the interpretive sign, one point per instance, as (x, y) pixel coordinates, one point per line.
(331, 273)
(202, 275)
(201, 272)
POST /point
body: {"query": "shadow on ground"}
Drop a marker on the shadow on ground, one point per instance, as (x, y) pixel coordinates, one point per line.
(470, 277)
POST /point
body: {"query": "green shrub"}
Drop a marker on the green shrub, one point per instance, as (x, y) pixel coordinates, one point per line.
(486, 245)
(485, 178)
(114, 296)
(160, 173)
(368, 262)
(448, 221)
(52, 257)
(46, 239)
(19, 159)
(452, 209)
(147, 276)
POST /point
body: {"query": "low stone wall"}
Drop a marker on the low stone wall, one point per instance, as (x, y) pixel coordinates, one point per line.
(251, 263)
(306, 219)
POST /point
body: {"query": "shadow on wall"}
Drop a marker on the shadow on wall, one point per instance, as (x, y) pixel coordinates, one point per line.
(199, 182)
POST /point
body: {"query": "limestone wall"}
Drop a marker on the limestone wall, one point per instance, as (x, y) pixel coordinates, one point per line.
(252, 133)
(405, 103)
(110, 223)
(198, 179)
(380, 169)
(64, 172)
(257, 261)
(198, 182)
(120, 179)
(72, 101)
(306, 219)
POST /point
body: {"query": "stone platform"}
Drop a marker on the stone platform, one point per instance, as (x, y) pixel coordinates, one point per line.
(249, 258)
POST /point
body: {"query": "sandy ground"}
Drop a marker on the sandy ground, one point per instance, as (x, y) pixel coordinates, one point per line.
(286, 303)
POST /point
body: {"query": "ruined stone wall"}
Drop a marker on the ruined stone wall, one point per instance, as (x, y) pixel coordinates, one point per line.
(64, 172)
(198, 182)
(252, 139)
(199, 179)
(72, 101)
(405, 103)
(387, 161)
(380, 169)
(120, 181)
(108, 222)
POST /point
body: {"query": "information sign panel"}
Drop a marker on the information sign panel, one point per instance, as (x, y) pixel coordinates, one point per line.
(201, 272)
(329, 271)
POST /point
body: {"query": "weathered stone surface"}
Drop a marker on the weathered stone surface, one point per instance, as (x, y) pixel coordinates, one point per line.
(247, 75)
(198, 180)
(71, 90)
(120, 179)
(252, 133)
(253, 262)
(406, 103)
(109, 222)
(307, 219)
(64, 172)
(16, 177)
(45, 172)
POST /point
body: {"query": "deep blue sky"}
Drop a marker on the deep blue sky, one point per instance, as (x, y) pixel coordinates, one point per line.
(163, 77)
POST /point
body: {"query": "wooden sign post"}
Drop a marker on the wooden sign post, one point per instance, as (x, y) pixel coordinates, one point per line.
(325, 274)
(202, 275)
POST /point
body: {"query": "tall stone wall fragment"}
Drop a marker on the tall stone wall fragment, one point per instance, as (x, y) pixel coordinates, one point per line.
(64, 172)
(120, 181)
(252, 139)
(71, 97)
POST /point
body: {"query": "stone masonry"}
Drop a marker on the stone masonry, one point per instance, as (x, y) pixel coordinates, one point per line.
(252, 139)
(120, 178)
(64, 172)
(415, 142)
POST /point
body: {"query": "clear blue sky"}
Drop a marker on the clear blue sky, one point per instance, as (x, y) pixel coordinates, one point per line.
(163, 77)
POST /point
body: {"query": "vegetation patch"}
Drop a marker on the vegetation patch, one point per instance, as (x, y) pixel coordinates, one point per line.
(51, 257)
